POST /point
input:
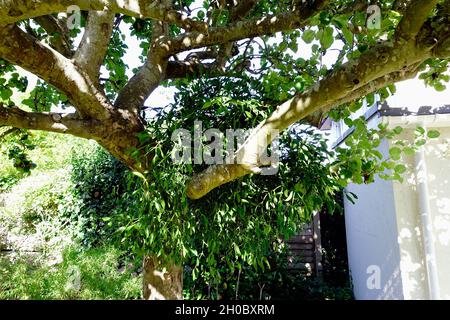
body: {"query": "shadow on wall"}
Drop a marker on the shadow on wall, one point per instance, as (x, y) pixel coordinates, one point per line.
(438, 165)
(410, 225)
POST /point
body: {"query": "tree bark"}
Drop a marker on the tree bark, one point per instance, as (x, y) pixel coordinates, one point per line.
(162, 281)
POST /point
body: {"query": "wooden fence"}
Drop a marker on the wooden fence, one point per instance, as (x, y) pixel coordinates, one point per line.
(305, 249)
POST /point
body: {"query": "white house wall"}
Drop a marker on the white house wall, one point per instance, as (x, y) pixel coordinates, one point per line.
(384, 227)
(438, 166)
(412, 265)
(372, 241)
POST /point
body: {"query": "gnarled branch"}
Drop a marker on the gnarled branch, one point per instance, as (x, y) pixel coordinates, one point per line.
(239, 30)
(52, 122)
(23, 50)
(93, 46)
(13, 10)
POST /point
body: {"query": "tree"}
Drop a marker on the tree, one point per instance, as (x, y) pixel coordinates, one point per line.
(378, 46)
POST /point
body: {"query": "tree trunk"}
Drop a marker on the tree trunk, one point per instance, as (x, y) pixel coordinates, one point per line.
(162, 282)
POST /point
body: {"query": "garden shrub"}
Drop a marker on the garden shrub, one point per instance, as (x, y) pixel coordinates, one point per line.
(100, 188)
(278, 282)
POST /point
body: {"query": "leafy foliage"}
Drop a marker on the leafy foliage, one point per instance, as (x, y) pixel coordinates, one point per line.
(276, 283)
(10, 80)
(239, 223)
(43, 97)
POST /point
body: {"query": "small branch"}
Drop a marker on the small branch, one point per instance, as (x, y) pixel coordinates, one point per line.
(239, 30)
(58, 33)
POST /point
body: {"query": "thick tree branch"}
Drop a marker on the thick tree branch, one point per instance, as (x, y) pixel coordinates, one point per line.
(13, 10)
(191, 69)
(416, 14)
(23, 50)
(148, 78)
(53, 122)
(316, 118)
(106, 133)
(239, 30)
(93, 46)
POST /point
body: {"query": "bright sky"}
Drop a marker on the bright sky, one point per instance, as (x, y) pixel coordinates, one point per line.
(413, 94)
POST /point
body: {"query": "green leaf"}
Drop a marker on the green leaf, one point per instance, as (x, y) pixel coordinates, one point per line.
(289, 198)
(395, 153)
(420, 131)
(377, 154)
(201, 15)
(409, 151)
(327, 38)
(400, 168)
(308, 36)
(421, 142)
(6, 93)
(440, 87)
(398, 130)
(392, 89)
(348, 122)
(138, 174)
(433, 134)
(348, 35)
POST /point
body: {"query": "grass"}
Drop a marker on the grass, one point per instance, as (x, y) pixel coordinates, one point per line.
(82, 275)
